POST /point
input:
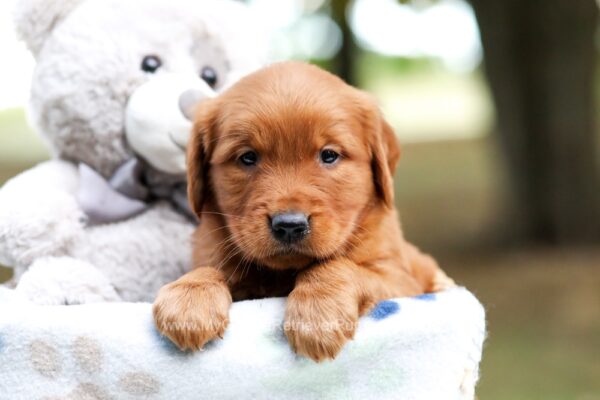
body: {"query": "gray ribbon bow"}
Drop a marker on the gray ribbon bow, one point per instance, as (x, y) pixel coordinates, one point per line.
(130, 191)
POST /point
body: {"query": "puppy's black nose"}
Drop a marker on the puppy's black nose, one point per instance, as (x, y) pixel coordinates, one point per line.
(289, 227)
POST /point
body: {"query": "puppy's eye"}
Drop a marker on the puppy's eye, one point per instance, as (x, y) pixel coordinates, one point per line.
(151, 63)
(249, 158)
(328, 156)
(209, 75)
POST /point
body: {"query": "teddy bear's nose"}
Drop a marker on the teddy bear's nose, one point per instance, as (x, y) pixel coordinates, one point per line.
(188, 101)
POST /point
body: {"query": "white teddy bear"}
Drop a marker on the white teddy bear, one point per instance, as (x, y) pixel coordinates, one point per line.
(115, 81)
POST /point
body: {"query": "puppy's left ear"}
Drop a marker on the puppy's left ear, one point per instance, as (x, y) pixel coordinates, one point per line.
(391, 147)
(386, 153)
(384, 147)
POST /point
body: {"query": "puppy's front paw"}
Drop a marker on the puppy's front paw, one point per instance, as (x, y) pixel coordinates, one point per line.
(192, 314)
(317, 327)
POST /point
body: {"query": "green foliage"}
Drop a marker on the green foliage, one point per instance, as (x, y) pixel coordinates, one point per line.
(5, 274)
(368, 62)
(418, 3)
(20, 147)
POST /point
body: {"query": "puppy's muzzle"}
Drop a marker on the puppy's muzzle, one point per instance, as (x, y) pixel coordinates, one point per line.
(290, 227)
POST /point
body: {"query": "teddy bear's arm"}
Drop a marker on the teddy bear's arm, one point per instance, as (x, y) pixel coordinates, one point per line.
(39, 213)
(65, 280)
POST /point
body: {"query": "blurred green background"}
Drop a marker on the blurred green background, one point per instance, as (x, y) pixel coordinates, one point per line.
(495, 104)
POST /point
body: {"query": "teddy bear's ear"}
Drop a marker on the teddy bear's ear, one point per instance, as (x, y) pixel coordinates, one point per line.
(35, 19)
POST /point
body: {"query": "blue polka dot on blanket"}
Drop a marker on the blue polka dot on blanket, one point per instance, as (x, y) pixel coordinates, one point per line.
(426, 297)
(384, 309)
(1, 344)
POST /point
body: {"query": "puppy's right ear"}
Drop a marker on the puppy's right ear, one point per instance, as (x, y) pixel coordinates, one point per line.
(198, 153)
(384, 147)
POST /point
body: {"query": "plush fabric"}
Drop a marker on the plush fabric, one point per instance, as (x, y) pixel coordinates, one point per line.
(94, 105)
(423, 348)
(127, 193)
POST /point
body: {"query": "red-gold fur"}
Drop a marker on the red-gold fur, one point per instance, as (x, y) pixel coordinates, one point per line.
(355, 254)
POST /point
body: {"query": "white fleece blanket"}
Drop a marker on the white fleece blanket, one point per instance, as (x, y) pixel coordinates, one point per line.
(421, 348)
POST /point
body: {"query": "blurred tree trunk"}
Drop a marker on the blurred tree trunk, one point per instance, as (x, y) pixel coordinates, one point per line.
(540, 60)
(344, 60)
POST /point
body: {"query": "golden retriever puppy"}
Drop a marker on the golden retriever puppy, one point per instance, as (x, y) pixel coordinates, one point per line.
(290, 171)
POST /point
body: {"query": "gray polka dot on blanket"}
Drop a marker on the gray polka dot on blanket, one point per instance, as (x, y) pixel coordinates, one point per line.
(139, 383)
(89, 391)
(88, 354)
(45, 359)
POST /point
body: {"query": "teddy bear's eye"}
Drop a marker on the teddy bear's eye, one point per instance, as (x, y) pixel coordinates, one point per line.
(151, 64)
(209, 75)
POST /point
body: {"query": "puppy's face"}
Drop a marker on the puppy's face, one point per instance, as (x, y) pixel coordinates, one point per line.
(293, 159)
